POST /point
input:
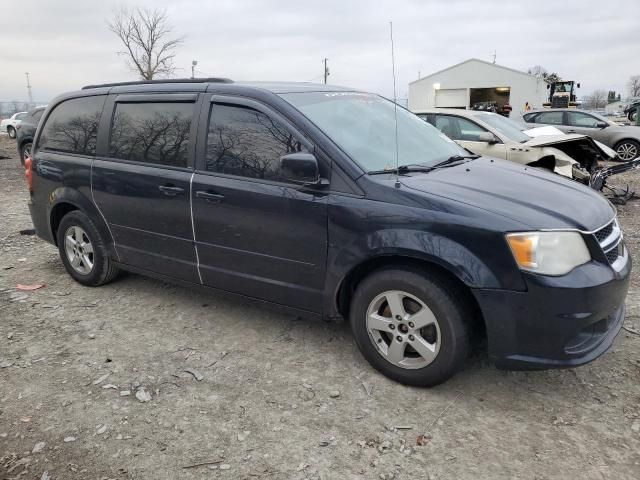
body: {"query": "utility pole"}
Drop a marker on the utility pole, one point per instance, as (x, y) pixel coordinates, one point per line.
(494, 56)
(31, 105)
(193, 68)
(326, 71)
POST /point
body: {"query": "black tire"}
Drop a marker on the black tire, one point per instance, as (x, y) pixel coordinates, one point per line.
(627, 146)
(11, 132)
(103, 269)
(25, 150)
(443, 298)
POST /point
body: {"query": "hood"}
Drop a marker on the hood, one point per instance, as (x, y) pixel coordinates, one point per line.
(548, 135)
(530, 196)
(548, 140)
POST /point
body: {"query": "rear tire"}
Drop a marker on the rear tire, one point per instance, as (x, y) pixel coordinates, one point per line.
(25, 151)
(83, 251)
(444, 339)
(11, 132)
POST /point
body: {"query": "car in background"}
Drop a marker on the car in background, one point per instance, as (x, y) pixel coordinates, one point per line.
(493, 135)
(25, 131)
(8, 125)
(624, 139)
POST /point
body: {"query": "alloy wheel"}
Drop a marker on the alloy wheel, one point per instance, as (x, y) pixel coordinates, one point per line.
(79, 250)
(404, 330)
(627, 151)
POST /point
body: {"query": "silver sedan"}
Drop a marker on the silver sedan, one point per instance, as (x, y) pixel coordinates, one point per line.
(625, 140)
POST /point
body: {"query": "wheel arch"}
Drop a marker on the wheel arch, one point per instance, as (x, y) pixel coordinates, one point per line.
(64, 200)
(418, 264)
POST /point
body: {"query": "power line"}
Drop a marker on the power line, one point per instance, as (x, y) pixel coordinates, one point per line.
(29, 90)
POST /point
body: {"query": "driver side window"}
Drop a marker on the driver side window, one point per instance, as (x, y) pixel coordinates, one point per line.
(579, 119)
(457, 128)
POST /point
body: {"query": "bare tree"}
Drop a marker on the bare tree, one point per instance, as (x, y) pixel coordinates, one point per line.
(148, 40)
(634, 86)
(597, 99)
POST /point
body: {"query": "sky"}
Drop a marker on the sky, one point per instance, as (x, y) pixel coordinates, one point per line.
(65, 44)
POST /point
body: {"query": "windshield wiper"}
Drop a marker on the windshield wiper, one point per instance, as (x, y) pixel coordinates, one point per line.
(414, 167)
(455, 159)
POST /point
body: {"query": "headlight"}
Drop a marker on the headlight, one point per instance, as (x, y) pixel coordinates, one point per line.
(548, 253)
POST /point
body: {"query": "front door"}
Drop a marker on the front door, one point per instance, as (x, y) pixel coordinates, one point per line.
(255, 233)
(142, 185)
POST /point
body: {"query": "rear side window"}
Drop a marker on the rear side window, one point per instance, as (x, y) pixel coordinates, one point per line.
(35, 116)
(245, 142)
(72, 126)
(551, 118)
(152, 132)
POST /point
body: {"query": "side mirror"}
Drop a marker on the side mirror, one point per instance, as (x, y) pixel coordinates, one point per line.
(300, 168)
(578, 85)
(487, 137)
(602, 125)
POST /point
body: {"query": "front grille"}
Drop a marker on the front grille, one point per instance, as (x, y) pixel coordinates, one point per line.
(613, 254)
(603, 233)
(610, 239)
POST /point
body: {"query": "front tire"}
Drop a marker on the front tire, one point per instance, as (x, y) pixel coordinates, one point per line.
(627, 150)
(83, 251)
(11, 132)
(411, 325)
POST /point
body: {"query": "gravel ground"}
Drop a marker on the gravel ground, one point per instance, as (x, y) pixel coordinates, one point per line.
(275, 397)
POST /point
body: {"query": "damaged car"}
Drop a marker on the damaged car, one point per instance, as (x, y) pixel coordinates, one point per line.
(489, 134)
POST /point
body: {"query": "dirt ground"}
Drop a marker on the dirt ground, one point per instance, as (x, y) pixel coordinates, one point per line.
(278, 397)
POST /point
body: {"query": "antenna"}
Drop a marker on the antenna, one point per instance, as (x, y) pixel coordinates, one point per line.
(395, 106)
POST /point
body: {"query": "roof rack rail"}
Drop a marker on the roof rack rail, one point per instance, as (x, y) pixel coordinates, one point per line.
(168, 80)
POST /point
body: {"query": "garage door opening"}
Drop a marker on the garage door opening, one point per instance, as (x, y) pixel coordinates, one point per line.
(490, 99)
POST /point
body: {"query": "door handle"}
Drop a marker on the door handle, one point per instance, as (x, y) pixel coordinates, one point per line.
(209, 196)
(571, 131)
(170, 190)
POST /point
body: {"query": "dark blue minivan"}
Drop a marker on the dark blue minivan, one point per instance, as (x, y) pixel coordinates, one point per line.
(331, 202)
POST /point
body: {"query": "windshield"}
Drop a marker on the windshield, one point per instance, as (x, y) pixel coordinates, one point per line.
(362, 125)
(506, 127)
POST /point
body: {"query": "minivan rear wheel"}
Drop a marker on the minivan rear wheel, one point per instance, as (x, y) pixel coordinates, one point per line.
(11, 131)
(410, 325)
(25, 151)
(83, 251)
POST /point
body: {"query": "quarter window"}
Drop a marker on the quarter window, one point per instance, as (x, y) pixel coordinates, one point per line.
(72, 126)
(152, 132)
(245, 142)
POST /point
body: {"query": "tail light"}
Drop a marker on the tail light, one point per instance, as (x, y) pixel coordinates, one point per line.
(28, 172)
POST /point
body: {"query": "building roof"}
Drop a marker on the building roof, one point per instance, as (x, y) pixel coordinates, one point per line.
(495, 65)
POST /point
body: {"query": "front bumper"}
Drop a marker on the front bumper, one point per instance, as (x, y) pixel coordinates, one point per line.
(559, 321)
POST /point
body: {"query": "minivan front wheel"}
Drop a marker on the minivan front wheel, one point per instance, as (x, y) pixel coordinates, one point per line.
(410, 325)
(83, 251)
(11, 131)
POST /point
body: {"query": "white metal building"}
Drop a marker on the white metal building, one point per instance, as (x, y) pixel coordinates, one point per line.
(475, 81)
(613, 107)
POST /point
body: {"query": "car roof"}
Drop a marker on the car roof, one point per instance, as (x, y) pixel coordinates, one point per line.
(209, 84)
(455, 111)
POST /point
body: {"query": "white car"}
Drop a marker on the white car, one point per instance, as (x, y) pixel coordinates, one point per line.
(8, 125)
(492, 135)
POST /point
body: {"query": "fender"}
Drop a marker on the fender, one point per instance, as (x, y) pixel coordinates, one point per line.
(422, 245)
